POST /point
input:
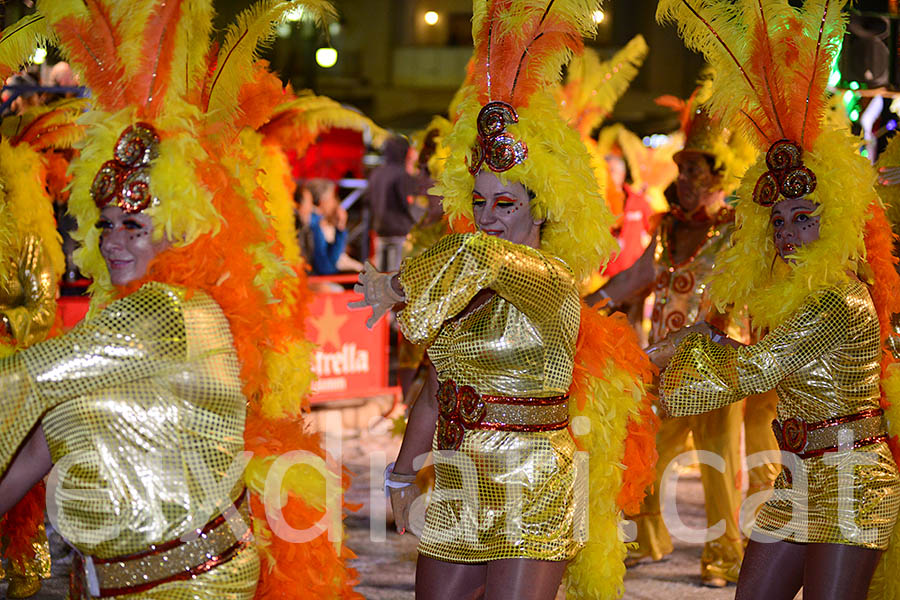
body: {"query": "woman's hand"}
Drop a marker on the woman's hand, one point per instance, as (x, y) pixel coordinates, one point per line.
(662, 352)
(379, 292)
(403, 492)
(889, 175)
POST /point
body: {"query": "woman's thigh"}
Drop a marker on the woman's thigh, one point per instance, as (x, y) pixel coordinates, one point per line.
(772, 569)
(523, 579)
(838, 571)
(441, 580)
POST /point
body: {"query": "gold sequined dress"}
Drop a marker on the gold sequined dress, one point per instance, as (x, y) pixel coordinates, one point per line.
(143, 413)
(823, 362)
(503, 494)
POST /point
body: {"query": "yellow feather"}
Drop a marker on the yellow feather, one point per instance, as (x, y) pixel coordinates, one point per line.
(253, 27)
(19, 41)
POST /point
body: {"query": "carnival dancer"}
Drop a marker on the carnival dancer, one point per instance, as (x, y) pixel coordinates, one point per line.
(820, 278)
(32, 265)
(500, 311)
(188, 357)
(675, 266)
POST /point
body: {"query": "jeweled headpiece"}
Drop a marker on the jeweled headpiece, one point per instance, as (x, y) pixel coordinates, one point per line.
(494, 146)
(786, 176)
(508, 122)
(124, 181)
(772, 61)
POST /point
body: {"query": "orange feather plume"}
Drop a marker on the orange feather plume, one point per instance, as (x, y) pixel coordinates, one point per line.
(601, 340)
(520, 47)
(91, 41)
(148, 86)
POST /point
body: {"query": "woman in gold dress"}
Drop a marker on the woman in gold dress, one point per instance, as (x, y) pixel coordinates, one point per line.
(500, 312)
(813, 264)
(146, 408)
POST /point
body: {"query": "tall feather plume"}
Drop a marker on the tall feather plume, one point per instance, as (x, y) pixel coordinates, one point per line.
(149, 84)
(19, 40)
(90, 39)
(253, 27)
(593, 86)
(771, 60)
(521, 45)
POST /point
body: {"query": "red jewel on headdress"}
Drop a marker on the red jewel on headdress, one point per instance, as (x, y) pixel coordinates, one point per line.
(125, 180)
(786, 176)
(494, 146)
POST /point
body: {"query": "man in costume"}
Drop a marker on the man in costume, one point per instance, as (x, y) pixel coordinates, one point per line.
(676, 265)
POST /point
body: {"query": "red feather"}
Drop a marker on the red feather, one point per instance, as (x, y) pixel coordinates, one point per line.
(509, 66)
(92, 43)
(148, 87)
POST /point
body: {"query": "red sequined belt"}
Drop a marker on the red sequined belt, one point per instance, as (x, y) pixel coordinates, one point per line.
(196, 552)
(461, 408)
(807, 440)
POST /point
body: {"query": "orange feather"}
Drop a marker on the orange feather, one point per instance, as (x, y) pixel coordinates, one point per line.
(148, 86)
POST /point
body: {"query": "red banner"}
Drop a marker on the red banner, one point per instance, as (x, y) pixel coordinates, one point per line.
(350, 360)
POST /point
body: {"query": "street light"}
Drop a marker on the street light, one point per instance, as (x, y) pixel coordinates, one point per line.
(431, 17)
(598, 16)
(326, 57)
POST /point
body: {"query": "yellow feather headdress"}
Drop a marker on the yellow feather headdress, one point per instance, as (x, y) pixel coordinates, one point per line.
(772, 63)
(508, 120)
(165, 104)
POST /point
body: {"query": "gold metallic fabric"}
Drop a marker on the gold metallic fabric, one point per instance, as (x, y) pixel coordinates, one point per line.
(680, 291)
(143, 413)
(503, 494)
(28, 291)
(823, 362)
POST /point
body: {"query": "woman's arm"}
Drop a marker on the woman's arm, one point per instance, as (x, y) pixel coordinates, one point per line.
(420, 428)
(442, 281)
(629, 282)
(704, 375)
(29, 466)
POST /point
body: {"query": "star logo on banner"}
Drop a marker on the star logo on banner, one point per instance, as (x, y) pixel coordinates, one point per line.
(328, 326)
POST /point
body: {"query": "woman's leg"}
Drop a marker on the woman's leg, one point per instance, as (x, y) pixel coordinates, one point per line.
(838, 571)
(441, 580)
(523, 579)
(772, 569)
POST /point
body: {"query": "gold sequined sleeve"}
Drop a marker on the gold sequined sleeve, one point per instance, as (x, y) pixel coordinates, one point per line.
(703, 375)
(135, 337)
(440, 282)
(30, 322)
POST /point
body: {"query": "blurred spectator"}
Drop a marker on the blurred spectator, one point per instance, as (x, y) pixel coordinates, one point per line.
(24, 100)
(303, 216)
(390, 186)
(328, 228)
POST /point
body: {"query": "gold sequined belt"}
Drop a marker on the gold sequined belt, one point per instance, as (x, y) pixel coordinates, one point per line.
(214, 544)
(815, 439)
(461, 408)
